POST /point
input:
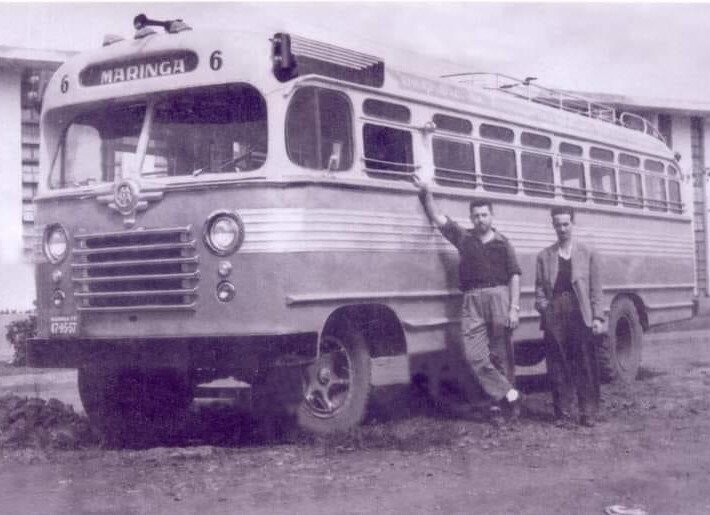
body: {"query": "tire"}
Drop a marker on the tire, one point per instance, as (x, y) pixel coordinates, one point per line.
(336, 388)
(132, 408)
(620, 352)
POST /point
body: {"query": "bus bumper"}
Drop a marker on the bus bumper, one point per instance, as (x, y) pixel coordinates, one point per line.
(217, 353)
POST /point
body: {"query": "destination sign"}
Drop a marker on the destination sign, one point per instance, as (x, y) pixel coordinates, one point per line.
(146, 67)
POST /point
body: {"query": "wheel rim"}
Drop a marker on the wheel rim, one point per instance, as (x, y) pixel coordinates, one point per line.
(624, 342)
(326, 385)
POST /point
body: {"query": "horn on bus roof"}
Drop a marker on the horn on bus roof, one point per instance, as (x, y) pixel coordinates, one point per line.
(141, 21)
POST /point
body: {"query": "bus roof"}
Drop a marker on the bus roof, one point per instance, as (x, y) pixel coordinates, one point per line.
(165, 62)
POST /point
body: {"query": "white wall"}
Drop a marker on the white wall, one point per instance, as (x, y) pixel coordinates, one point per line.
(10, 168)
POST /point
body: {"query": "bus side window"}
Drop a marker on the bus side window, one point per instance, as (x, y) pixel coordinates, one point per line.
(631, 191)
(675, 201)
(655, 185)
(603, 184)
(574, 186)
(656, 193)
(537, 174)
(572, 178)
(388, 152)
(454, 163)
(498, 169)
(318, 129)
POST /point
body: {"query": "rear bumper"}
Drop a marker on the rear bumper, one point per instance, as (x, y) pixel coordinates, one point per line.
(219, 353)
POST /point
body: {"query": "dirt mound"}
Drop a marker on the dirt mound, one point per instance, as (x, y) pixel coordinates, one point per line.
(39, 424)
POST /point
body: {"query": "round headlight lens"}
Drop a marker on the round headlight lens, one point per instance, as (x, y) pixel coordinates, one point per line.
(56, 243)
(224, 233)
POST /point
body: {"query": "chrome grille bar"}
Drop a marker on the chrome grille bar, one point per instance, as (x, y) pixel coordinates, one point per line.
(154, 269)
(134, 248)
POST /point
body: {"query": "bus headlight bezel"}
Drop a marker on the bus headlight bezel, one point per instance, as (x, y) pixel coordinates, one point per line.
(222, 220)
(53, 248)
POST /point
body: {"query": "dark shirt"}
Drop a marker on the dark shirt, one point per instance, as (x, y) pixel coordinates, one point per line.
(563, 283)
(482, 265)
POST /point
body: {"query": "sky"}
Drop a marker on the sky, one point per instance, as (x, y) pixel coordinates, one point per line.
(646, 50)
(650, 49)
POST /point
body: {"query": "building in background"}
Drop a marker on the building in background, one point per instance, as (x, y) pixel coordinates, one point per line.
(23, 75)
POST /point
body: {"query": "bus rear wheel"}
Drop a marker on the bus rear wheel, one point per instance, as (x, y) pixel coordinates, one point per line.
(336, 387)
(620, 352)
(132, 408)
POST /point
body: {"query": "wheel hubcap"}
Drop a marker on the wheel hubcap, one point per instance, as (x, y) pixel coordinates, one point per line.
(324, 375)
(326, 384)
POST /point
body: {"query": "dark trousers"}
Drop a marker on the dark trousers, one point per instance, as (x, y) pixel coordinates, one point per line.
(571, 357)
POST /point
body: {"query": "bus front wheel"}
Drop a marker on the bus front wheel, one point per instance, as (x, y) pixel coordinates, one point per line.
(620, 352)
(336, 387)
(132, 407)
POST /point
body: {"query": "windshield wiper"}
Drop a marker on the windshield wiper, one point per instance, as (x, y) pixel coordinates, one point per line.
(224, 165)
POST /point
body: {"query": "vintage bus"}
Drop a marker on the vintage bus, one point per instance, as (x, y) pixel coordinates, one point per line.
(241, 206)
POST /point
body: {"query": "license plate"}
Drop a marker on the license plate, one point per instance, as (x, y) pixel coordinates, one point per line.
(63, 325)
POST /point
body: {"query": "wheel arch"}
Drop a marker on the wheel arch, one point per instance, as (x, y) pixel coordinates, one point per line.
(638, 304)
(380, 326)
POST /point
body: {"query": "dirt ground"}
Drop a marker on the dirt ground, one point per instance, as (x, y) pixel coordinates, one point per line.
(652, 451)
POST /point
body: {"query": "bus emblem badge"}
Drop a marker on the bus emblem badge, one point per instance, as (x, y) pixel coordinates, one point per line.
(126, 197)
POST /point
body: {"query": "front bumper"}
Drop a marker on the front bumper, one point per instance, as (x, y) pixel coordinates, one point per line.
(213, 352)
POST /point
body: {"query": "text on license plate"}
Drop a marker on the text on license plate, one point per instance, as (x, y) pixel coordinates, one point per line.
(63, 325)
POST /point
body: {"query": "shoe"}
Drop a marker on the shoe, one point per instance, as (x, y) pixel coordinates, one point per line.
(495, 416)
(514, 408)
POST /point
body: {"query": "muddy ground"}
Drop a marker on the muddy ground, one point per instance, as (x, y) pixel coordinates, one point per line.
(653, 452)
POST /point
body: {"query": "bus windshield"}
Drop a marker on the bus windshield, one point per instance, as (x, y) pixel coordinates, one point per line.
(199, 131)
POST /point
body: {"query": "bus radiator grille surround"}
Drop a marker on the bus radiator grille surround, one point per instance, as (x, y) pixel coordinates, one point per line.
(148, 269)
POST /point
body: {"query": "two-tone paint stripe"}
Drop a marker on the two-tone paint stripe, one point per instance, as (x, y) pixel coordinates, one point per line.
(337, 230)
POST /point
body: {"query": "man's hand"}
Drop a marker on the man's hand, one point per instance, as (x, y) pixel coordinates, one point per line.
(513, 319)
(421, 185)
(597, 327)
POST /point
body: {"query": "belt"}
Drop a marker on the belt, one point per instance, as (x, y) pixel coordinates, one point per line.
(480, 286)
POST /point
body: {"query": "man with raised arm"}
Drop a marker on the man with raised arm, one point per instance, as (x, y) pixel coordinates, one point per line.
(489, 277)
(568, 295)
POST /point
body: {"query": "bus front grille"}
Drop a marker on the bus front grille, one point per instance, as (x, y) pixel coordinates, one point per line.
(149, 269)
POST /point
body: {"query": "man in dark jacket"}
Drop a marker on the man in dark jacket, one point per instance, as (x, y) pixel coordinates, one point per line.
(568, 295)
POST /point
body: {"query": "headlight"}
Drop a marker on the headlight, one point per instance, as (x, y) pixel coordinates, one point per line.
(224, 233)
(56, 243)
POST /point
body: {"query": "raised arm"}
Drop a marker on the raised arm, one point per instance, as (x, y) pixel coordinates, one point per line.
(427, 200)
